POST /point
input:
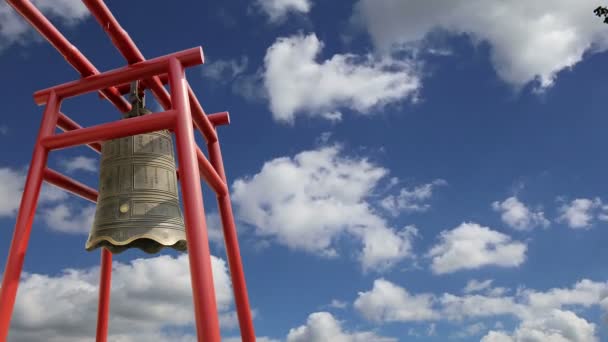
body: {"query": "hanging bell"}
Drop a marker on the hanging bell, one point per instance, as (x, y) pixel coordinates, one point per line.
(138, 203)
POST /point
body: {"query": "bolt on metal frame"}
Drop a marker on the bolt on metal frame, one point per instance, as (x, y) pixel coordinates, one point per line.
(182, 114)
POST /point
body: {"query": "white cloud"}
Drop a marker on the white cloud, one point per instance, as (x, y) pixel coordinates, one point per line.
(471, 246)
(80, 163)
(471, 330)
(258, 339)
(277, 10)
(11, 188)
(387, 302)
(160, 285)
(15, 29)
(579, 214)
(411, 200)
(214, 229)
(516, 215)
(318, 196)
(555, 326)
(225, 70)
(297, 84)
(515, 31)
(541, 315)
(69, 219)
(323, 327)
(474, 285)
(338, 304)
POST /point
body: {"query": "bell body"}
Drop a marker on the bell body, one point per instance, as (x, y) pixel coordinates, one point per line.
(138, 203)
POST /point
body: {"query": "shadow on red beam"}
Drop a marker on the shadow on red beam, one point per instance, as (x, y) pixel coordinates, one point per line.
(145, 69)
(68, 184)
(112, 130)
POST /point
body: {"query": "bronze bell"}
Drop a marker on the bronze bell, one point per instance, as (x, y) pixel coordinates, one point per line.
(138, 203)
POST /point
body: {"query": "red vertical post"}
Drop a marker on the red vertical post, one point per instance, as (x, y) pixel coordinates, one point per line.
(237, 274)
(203, 292)
(103, 306)
(25, 216)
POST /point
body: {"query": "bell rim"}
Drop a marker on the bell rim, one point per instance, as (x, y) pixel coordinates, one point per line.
(91, 244)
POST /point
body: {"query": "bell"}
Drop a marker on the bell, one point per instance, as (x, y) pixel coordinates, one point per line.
(138, 203)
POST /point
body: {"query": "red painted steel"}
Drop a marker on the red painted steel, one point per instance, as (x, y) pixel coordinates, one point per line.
(203, 291)
(71, 54)
(184, 114)
(66, 124)
(209, 174)
(237, 274)
(112, 130)
(219, 119)
(200, 119)
(155, 66)
(105, 286)
(68, 184)
(129, 50)
(25, 216)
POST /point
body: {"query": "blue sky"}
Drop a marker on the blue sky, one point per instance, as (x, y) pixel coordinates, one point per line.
(400, 171)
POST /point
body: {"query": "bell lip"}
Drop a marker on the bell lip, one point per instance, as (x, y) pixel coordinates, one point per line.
(91, 244)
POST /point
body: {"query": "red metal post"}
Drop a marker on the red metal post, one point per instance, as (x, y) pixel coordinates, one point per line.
(203, 291)
(25, 216)
(103, 306)
(237, 274)
(209, 174)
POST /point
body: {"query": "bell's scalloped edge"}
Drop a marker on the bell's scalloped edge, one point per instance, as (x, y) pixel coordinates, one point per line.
(176, 243)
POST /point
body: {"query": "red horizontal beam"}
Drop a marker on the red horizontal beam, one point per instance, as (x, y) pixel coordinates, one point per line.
(112, 130)
(66, 124)
(210, 175)
(68, 184)
(159, 65)
(71, 54)
(219, 119)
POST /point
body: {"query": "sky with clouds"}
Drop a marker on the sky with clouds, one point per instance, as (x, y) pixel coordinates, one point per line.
(400, 171)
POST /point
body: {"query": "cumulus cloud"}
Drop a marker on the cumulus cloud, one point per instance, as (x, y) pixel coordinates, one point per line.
(11, 188)
(318, 196)
(387, 302)
(15, 29)
(298, 84)
(161, 285)
(81, 163)
(518, 216)
(69, 219)
(323, 326)
(555, 326)
(514, 30)
(540, 315)
(580, 213)
(475, 285)
(225, 70)
(411, 200)
(277, 10)
(471, 246)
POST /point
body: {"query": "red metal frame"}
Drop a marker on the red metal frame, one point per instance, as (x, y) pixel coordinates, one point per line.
(182, 114)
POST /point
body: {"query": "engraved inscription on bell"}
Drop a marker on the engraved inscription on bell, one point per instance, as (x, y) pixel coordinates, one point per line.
(138, 203)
